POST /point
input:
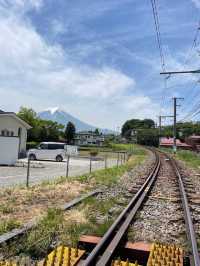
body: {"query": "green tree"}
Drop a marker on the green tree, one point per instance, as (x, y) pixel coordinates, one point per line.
(49, 130)
(184, 130)
(42, 130)
(148, 137)
(28, 115)
(135, 124)
(70, 132)
(96, 131)
(148, 123)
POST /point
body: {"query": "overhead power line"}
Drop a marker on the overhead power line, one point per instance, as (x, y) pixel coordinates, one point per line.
(158, 35)
(159, 41)
(194, 44)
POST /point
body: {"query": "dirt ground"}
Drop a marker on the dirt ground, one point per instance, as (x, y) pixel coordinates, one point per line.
(24, 204)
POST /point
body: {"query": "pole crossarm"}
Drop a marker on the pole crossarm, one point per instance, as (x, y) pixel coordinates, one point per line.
(165, 116)
(181, 72)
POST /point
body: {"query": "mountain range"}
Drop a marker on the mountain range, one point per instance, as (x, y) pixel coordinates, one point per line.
(58, 115)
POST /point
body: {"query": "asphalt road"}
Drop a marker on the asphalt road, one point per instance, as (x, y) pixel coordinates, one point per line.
(45, 170)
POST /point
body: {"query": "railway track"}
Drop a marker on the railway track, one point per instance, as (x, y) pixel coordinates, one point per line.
(103, 253)
(110, 244)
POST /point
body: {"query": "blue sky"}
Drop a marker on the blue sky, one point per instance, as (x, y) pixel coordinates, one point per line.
(98, 60)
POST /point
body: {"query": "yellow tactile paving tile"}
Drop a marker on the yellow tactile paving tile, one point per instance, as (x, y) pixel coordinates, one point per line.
(124, 263)
(62, 256)
(165, 255)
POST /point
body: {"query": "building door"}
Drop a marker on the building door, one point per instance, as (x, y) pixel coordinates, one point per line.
(19, 135)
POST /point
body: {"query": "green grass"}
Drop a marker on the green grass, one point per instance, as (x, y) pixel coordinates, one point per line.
(111, 151)
(52, 228)
(55, 228)
(191, 159)
(6, 209)
(8, 225)
(39, 239)
(101, 229)
(106, 177)
(111, 176)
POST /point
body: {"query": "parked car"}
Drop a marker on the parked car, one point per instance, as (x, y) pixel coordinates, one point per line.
(48, 151)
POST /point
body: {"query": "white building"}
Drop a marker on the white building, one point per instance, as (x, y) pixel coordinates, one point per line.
(13, 136)
(89, 138)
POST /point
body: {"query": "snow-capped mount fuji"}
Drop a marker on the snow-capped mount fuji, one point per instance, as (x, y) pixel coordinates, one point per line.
(58, 115)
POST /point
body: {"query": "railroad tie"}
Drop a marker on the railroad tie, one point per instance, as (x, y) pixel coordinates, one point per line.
(161, 254)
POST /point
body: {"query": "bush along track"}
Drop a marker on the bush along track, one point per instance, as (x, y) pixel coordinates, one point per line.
(93, 216)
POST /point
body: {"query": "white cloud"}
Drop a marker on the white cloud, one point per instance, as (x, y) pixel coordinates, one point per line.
(36, 73)
(22, 4)
(196, 3)
(87, 82)
(140, 106)
(28, 63)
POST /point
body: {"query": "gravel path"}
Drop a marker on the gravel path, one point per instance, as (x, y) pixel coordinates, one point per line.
(191, 178)
(161, 218)
(130, 180)
(127, 186)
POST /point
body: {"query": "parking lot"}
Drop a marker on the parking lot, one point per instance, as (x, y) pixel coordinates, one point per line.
(48, 170)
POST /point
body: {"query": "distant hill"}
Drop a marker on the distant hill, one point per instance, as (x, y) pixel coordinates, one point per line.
(62, 117)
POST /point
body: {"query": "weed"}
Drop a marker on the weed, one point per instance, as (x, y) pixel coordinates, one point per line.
(109, 176)
(6, 209)
(40, 238)
(8, 225)
(190, 158)
(101, 229)
(73, 232)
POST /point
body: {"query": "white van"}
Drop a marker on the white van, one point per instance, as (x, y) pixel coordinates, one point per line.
(48, 151)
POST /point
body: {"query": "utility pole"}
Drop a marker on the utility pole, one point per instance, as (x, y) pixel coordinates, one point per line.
(178, 98)
(175, 114)
(159, 127)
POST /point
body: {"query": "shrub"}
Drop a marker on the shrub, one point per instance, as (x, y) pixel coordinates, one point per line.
(31, 145)
(93, 153)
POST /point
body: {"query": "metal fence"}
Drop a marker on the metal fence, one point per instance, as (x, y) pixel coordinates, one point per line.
(71, 166)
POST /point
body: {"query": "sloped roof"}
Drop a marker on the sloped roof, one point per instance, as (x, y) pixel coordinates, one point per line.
(194, 137)
(170, 142)
(12, 114)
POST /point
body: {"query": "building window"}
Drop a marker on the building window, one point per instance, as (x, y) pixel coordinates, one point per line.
(11, 133)
(5, 132)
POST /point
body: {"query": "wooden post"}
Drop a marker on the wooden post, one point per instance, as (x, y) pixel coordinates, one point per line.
(90, 164)
(105, 161)
(28, 173)
(117, 159)
(121, 158)
(67, 170)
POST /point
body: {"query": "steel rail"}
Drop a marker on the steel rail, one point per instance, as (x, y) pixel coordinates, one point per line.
(194, 259)
(110, 241)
